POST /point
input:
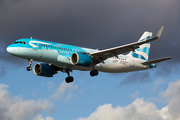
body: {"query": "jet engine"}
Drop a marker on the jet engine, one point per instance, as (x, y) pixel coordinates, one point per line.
(44, 70)
(152, 65)
(81, 59)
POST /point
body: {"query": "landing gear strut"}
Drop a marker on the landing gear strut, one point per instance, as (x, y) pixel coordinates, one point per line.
(69, 79)
(30, 63)
(94, 73)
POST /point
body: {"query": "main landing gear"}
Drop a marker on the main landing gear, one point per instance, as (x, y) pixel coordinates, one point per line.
(30, 63)
(94, 73)
(69, 79)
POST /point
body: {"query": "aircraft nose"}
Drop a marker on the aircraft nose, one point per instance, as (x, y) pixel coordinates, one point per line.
(9, 50)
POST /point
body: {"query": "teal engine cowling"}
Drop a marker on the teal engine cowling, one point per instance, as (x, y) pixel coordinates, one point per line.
(152, 65)
(44, 70)
(81, 59)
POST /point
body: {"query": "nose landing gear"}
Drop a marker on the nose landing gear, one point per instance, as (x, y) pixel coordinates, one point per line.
(29, 68)
(30, 63)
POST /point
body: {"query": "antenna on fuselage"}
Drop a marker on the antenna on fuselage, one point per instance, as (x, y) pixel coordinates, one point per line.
(31, 38)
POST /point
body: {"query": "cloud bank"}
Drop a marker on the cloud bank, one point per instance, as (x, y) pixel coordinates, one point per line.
(15, 108)
(142, 110)
(39, 117)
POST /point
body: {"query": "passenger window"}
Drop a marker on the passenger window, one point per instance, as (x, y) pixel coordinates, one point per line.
(24, 42)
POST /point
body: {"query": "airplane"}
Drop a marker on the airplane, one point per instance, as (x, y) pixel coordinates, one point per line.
(65, 58)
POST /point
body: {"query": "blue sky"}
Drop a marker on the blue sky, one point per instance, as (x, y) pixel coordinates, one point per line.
(150, 94)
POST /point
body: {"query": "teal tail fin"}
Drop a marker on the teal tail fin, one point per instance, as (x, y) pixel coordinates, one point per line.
(143, 51)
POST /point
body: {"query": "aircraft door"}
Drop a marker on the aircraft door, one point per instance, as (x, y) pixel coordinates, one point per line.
(131, 61)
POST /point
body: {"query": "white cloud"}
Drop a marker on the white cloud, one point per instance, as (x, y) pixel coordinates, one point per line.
(138, 110)
(39, 117)
(15, 108)
(172, 96)
(142, 110)
(63, 87)
(49, 118)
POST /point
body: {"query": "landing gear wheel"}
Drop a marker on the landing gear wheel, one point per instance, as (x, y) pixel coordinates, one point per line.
(69, 79)
(30, 62)
(29, 68)
(94, 73)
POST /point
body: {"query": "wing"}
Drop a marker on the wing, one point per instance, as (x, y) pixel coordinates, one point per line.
(102, 55)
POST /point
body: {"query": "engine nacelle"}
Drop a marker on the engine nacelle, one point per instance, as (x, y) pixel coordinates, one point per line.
(81, 59)
(44, 70)
(152, 65)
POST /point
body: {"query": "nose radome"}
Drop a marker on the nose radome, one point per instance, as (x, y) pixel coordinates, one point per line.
(9, 50)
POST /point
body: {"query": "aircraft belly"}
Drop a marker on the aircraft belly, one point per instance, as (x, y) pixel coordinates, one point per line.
(114, 68)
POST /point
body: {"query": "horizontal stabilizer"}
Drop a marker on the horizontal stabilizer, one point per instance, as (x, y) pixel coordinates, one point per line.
(156, 61)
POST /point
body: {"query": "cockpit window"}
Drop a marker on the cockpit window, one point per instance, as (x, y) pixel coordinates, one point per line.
(21, 42)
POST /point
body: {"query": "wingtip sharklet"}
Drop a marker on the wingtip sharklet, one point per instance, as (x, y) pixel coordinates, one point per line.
(157, 35)
(160, 32)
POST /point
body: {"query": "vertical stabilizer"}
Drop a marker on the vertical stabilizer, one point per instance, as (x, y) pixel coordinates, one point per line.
(143, 51)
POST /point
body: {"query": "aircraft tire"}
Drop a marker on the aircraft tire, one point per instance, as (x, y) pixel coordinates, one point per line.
(94, 73)
(29, 68)
(69, 79)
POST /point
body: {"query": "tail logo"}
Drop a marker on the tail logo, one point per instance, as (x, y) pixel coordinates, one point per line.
(143, 51)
